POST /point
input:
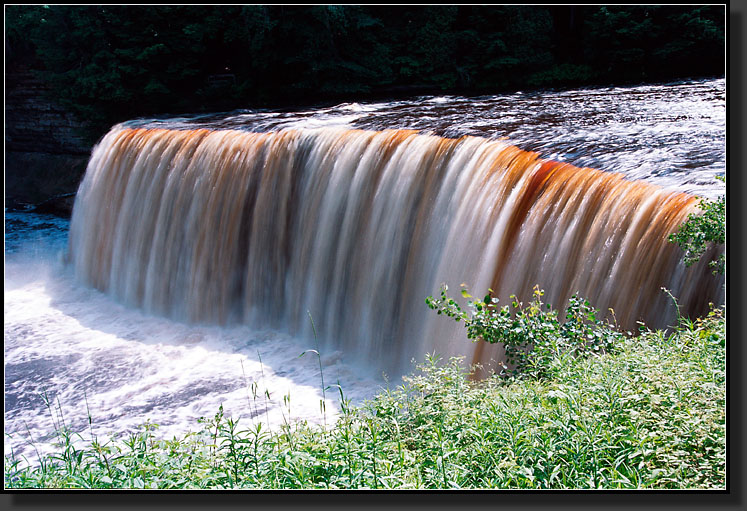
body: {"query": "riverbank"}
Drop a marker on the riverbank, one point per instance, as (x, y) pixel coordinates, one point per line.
(649, 415)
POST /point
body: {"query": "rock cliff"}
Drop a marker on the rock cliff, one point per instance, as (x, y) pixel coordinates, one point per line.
(45, 156)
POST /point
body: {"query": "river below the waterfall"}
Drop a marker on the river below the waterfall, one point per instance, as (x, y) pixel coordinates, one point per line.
(73, 353)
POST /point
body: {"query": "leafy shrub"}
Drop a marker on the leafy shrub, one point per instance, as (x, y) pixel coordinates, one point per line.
(702, 229)
(535, 339)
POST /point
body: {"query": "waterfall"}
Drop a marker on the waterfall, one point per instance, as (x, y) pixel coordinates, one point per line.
(357, 227)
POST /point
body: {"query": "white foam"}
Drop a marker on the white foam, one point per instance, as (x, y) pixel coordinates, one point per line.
(77, 345)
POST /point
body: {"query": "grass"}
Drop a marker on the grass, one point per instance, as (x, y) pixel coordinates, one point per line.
(650, 414)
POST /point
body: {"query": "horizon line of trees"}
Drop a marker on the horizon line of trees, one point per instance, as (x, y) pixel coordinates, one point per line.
(111, 63)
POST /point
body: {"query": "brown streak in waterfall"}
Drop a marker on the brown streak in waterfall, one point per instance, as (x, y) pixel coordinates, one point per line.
(552, 213)
(137, 239)
(622, 204)
(385, 144)
(171, 255)
(655, 248)
(216, 256)
(268, 228)
(514, 163)
(110, 201)
(587, 188)
(435, 169)
(648, 202)
(249, 151)
(251, 166)
(602, 241)
(529, 195)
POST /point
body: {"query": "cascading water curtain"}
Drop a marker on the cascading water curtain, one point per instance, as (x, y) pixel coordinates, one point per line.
(358, 227)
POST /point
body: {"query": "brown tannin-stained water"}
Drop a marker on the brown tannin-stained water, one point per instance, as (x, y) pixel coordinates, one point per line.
(200, 245)
(356, 227)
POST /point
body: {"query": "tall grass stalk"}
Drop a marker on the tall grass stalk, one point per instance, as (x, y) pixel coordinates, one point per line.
(266, 392)
(323, 402)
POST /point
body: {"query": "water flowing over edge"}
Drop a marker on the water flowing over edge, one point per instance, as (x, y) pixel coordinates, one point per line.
(356, 227)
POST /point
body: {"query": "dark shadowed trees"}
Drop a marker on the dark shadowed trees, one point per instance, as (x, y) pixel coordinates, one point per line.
(111, 63)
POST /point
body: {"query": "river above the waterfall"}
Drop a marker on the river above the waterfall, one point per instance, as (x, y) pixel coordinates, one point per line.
(72, 352)
(673, 135)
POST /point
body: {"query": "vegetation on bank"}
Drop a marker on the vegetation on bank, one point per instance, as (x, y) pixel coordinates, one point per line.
(535, 340)
(649, 413)
(702, 230)
(110, 63)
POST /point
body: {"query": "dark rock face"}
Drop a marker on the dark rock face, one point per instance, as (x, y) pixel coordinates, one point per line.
(45, 157)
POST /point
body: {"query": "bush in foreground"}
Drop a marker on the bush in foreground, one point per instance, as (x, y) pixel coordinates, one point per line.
(649, 415)
(536, 341)
(702, 230)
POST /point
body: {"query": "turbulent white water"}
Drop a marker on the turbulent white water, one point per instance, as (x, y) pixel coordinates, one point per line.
(88, 353)
(125, 364)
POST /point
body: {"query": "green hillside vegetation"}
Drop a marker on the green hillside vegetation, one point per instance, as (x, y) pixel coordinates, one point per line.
(112, 63)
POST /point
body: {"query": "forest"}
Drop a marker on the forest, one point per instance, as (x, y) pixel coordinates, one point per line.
(111, 63)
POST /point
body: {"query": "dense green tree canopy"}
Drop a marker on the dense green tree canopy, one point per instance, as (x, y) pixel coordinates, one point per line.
(111, 63)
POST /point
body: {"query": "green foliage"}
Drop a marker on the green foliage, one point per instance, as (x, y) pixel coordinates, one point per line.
(110, 63)
(638, 43)
(536, 342)
(703, 230)
(565, 74)
(649, 415)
